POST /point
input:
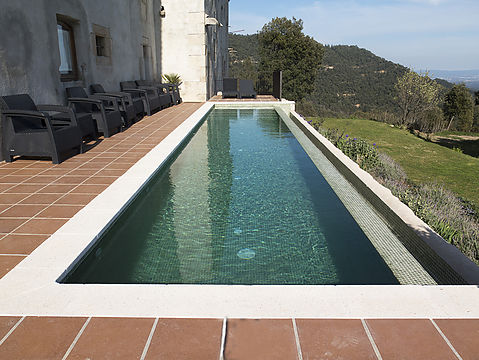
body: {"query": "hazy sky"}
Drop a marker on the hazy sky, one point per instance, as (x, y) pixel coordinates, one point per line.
(423, 34)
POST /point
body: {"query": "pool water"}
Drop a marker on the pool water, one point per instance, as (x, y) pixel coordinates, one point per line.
(241, 203)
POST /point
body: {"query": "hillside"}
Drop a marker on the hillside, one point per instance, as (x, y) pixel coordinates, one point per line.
(350, 79)
(355, 79)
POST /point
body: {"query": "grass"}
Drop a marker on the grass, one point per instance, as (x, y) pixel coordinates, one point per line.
(423, 161)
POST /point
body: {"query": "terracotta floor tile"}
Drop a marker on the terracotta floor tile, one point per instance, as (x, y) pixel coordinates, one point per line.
(20, 244)
(118, 166)
(56, 189)
(60, 211)
(18, 164)
(75, 199)
(6, 323)
(12, 198)
(100, 180)
(260, 339)
(13, 179)
(43, 199)
(109, 173)
(30, 172)
(68, 179)
(7, 225)
(53, 172)
(6, 187)
(84, 172)
(89, 189)
(41, 179)
(463, 335)
(41, 338)
(44, 164)
(185, 339)
(113, 338)
(7, 263)
(41, 226)
(333, 339)
(24, 189)
(408, 339)
(22, 210)
(4, 171)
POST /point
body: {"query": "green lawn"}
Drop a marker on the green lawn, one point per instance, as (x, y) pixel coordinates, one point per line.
(423, 161)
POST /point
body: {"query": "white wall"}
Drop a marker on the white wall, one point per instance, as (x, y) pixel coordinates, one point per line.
(188, 45)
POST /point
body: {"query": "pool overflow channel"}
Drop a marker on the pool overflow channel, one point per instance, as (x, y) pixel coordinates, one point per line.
(248, 198)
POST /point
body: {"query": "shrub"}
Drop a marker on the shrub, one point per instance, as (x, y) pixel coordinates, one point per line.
(456, 220)
(172, 78)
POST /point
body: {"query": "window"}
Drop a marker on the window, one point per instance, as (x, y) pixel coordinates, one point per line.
(100, 45)
(66, 44)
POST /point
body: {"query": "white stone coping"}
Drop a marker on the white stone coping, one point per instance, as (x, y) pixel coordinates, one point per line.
(31, 287)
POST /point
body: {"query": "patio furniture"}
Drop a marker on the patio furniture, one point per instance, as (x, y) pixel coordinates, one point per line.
(246, 89)
(104, 109)
(131, 104)
(166, 99)
(28, 130)
(124, 102)
(230, 88)
(149, 95)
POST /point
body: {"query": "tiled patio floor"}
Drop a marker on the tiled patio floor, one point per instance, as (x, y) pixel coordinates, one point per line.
(37, 197)
(147, 338)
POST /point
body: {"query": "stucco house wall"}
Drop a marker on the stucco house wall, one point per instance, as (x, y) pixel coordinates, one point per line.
(29, 51)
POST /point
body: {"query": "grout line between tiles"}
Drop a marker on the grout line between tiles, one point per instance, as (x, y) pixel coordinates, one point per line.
(296, 337)
(148, 341)
(223, 338)
(446, 339)
(371, 339)
(14, 255)
(75, 340)
(11, 330)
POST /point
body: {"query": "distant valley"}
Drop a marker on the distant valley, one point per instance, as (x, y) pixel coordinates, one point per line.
(469, 77)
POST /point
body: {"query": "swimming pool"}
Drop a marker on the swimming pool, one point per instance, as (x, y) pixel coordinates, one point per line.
(41, 274)
(240, 203)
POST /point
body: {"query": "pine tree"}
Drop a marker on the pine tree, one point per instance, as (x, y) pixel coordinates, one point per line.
(459, 108)
(283, 46)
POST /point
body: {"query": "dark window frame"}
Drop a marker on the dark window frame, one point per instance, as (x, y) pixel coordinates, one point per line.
(73, 74)
(100, 45)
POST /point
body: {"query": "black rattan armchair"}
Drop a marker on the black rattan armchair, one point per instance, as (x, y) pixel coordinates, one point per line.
(230, 88)
(131, 106)
(28, 130)
(104, 109)
(166, 99)
(151, 100)
(246, 89)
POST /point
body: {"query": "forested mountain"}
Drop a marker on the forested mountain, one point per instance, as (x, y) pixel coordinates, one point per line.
(354, 79)
(243, 56)
(350, 78)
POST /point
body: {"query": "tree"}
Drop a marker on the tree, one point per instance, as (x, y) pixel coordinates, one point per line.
(475, 122)
(283, 46)
(416, 93)
(459, 108)
(431, 121)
